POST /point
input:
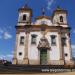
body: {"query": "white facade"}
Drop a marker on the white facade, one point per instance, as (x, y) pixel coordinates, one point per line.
(44, 42)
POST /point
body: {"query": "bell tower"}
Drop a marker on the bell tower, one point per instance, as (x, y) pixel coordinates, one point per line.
(21, 46)
(60, 17)
(25, 14)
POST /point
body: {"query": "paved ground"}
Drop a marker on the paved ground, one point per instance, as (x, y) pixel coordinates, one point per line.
(67, 73)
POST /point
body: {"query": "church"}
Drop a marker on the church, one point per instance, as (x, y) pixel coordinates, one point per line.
(46, 41)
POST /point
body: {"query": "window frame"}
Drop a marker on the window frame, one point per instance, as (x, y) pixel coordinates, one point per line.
(63, 40)
(53, 40)
(33, 38)
(22, 40)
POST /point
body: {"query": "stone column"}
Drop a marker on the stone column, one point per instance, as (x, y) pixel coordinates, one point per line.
(26, 61)
(61, 62)
(69, 47)
(15, 51)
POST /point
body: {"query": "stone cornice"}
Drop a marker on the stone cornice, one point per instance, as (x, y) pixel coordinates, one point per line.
(30, 28)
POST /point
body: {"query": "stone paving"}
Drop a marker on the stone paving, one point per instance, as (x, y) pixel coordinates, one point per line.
(67, 73)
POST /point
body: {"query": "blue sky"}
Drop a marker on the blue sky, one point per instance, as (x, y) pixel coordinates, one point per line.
(9, 16)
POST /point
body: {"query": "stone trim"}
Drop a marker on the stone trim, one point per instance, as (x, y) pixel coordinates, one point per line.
(69, 45)
(26, 50)
(47, 28)
(34, 62)
(60, 46)
(70, 62)
(48, 57)
(15, 51)
(25, 61)
(56, 62)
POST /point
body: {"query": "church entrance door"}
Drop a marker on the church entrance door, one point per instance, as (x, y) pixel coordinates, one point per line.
(43, 57)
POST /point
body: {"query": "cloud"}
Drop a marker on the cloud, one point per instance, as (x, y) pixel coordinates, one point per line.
(4, 34)
(49, 3)
(6, 57)
(0, 37)
(73, 31)
(2, 56)
(73, 49)
(7, 35)
(1, 31)
(9, 55)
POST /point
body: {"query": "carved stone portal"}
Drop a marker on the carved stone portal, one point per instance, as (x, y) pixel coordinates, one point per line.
(43, 43)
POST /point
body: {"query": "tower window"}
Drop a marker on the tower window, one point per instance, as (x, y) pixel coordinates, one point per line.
(53, 40)
(22, 40)
(33, 39)
(61, 18)
(63, 41)
(24, 17)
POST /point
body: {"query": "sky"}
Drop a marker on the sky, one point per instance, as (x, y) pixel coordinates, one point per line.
(9, 17)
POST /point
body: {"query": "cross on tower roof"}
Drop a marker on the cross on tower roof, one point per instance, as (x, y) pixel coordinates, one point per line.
(43, 11)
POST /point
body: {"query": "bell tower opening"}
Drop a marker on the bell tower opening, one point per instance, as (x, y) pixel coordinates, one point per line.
(24, 17)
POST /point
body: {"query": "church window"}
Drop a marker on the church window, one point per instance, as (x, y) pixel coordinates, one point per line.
(24, 17)
(63, 41)
(22, 40)
(20, 53)
(61, 18)
(53, 40)
(33, 39)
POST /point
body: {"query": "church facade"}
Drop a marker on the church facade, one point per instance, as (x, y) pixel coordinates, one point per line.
(43, 42)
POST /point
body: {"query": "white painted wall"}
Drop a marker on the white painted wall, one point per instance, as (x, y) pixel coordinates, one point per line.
(32, 49)
(33, 53)
(20, 48)
(54, 52)
(47, 21)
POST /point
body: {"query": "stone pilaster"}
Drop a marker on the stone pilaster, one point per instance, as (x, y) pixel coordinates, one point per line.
(15, 51)
(61, 49)
(25, 60)
(69, 47)
(48, 57)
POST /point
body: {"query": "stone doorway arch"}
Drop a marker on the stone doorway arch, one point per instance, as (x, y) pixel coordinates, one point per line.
(43, 48)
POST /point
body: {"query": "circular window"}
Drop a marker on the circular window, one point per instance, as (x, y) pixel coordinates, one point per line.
(66, 54)
(20, 53)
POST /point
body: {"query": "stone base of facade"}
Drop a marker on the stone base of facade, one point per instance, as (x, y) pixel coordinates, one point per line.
(34, 62)
(14, 61)
(26, 61)
(56, 62)
(71, 62)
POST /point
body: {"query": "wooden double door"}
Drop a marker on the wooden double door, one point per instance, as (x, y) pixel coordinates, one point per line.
(43, 57)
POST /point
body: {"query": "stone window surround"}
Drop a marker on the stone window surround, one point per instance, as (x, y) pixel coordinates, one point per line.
(53, 40)
(33, 38)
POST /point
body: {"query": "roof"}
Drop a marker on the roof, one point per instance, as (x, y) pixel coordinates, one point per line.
(41, 17)
(59, 10)
(25, 8)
